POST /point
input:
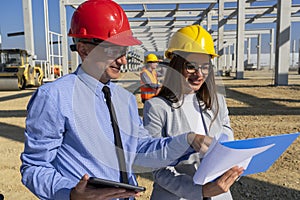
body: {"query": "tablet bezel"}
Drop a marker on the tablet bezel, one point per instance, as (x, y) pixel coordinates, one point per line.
(104, 183)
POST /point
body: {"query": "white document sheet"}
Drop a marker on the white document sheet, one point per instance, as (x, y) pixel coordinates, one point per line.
(220, 158)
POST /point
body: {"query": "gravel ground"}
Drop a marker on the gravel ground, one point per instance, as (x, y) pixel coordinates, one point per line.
(256, 109)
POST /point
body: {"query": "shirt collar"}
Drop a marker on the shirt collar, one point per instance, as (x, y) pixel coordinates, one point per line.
(92, 83)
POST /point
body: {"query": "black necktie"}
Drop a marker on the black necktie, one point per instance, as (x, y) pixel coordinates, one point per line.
(118, 141)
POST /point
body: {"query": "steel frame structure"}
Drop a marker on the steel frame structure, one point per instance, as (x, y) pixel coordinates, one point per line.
(154, 21)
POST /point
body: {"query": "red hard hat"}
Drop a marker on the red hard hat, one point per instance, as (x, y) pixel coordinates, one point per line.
(104, 20)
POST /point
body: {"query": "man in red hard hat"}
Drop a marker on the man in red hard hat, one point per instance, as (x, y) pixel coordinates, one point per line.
(72, 131)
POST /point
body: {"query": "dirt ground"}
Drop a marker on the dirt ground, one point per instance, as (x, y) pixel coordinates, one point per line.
(257, 108)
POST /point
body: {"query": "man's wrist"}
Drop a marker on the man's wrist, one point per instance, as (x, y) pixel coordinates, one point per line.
(64, 193)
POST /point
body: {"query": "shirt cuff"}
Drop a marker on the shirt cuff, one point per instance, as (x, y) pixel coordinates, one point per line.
(185, 146)
(63, 194)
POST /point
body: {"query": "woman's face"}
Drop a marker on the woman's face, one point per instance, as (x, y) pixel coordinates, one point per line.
(196, 69)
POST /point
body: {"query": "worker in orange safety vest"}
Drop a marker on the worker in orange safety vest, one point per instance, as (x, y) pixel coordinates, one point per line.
(149, 82)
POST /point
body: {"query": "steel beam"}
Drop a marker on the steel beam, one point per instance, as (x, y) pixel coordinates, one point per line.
(240, 40)
(283, 31)
(28, 30)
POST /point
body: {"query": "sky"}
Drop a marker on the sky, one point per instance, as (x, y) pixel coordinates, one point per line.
(11, 20)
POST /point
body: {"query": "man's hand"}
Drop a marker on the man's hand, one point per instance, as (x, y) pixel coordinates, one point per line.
(222, 184)
(82, 192)
(200, 143)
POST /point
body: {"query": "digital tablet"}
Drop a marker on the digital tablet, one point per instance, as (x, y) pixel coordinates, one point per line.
(103, 183)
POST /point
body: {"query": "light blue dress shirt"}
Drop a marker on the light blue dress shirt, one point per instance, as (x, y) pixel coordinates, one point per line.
(68, 133)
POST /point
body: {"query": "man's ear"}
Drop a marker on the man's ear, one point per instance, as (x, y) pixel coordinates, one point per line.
(82, 49)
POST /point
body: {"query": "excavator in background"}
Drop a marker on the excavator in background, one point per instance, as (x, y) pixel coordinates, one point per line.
(15, 71)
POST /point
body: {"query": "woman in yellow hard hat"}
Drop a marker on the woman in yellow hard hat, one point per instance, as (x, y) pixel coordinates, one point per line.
(188, 102)
(149, 80)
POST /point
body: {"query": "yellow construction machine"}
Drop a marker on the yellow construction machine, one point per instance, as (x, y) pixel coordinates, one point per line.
(15, 71)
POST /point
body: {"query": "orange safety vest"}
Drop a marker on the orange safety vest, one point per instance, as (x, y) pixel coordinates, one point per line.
(147, 92)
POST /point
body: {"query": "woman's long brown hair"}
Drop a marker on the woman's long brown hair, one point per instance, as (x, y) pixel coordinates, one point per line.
(174, 83)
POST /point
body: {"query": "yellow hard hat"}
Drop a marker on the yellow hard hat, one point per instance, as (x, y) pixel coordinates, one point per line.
(194, 39)
(151, 58)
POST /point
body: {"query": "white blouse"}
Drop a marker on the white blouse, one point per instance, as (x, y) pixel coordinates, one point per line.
(191, 110)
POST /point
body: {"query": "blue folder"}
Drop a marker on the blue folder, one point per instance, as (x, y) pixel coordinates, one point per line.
(261, 162)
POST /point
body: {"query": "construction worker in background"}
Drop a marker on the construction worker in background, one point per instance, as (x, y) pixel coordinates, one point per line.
(71, 129)
(149, 81)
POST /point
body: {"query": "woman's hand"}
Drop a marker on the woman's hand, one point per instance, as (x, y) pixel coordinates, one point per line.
(81, 191)
(222, 184)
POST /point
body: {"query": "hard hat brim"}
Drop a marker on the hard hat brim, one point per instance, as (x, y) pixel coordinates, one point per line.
(169, 52)
(124, 39)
